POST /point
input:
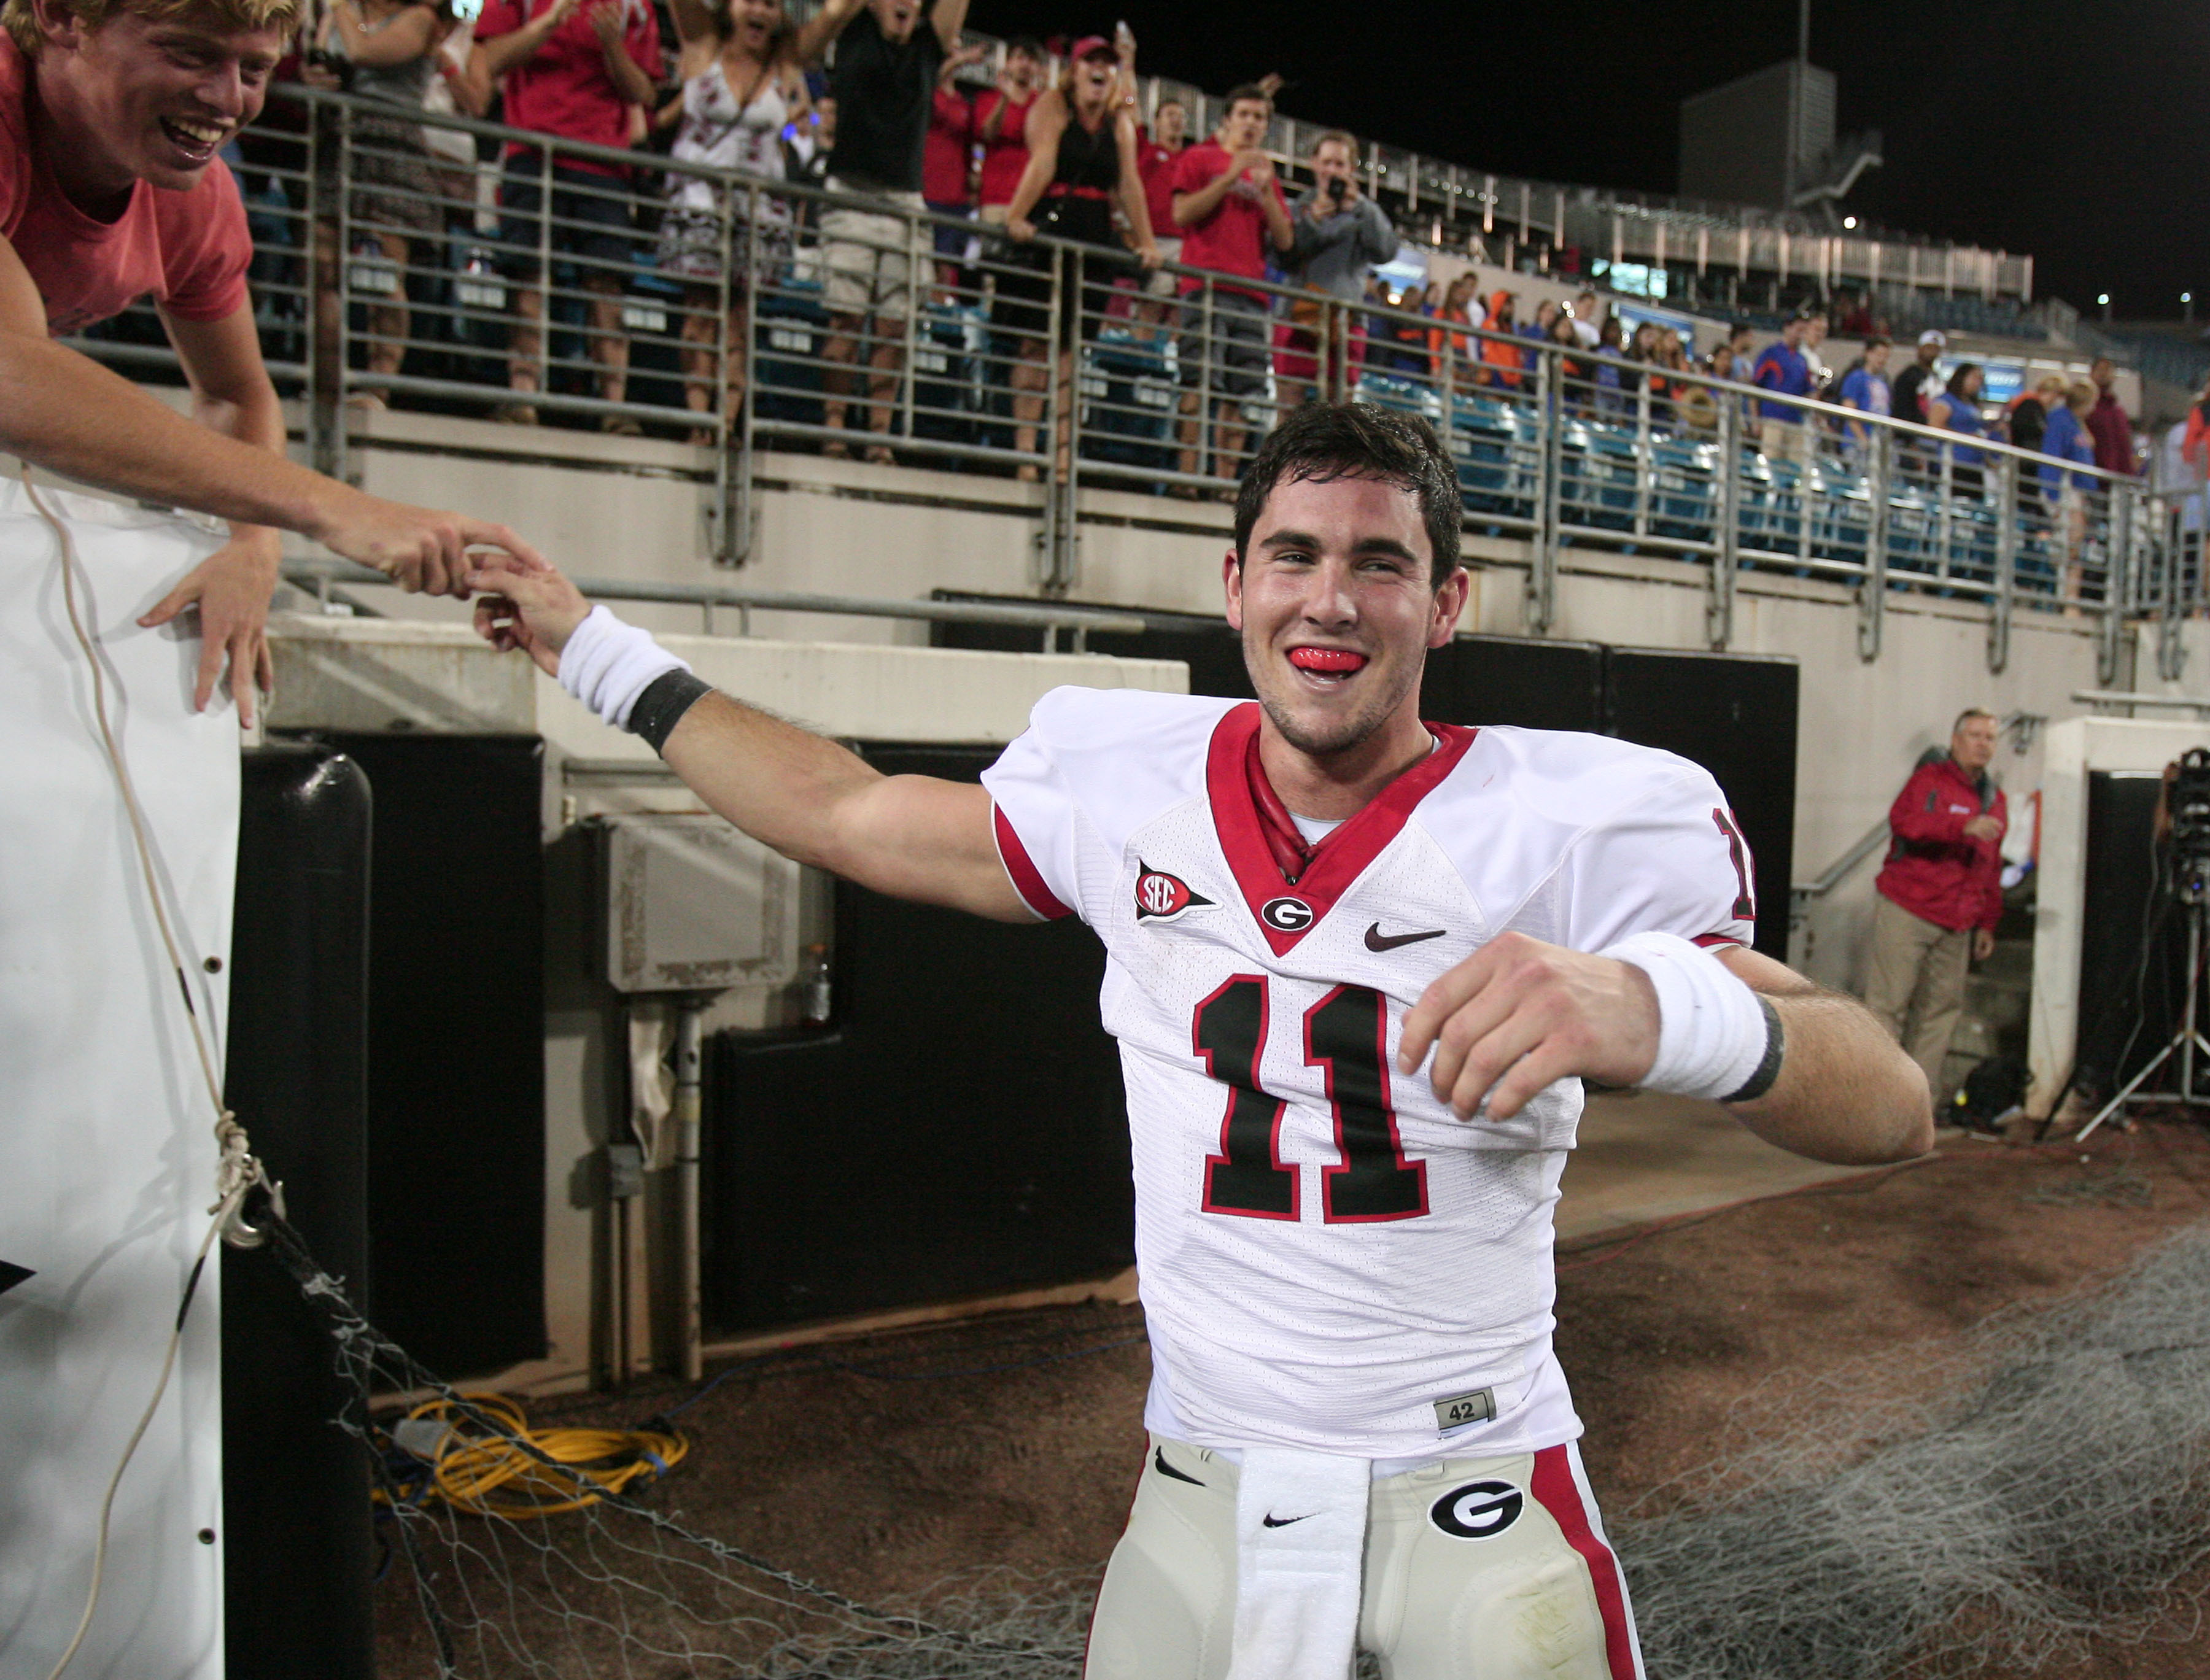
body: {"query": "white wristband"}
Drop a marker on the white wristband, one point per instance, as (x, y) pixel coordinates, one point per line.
(1714, 1035)
(606, 664)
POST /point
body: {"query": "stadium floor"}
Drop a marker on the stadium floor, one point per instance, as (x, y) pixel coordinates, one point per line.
(884, 1465)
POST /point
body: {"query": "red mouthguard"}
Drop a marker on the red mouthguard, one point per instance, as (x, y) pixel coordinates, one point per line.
(1327, 659)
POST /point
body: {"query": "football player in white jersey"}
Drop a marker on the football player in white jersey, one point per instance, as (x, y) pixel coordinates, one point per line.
(1358, 967)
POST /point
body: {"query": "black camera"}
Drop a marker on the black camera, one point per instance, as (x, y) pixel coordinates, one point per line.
(1338, 189)
(336, 62)
(2187, 813)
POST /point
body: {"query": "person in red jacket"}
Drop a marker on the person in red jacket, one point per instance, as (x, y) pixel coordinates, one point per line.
(1940, 894)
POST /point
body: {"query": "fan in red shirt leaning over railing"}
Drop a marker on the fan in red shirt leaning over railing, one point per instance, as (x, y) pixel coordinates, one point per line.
(111, 120)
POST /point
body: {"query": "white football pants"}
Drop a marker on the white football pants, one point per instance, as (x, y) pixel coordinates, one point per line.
(1476, 1569)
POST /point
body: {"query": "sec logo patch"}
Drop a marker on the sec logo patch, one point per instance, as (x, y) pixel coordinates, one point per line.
(1164, 897)
(1477, 1511)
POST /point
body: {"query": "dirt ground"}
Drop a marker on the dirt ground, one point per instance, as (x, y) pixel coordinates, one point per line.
(881, 1466)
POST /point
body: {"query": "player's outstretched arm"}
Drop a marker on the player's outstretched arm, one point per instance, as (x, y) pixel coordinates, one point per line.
(1846, 1092)
(912, 837)
(1519, 1014)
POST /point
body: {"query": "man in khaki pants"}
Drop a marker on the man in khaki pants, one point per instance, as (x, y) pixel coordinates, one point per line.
(1940, 894)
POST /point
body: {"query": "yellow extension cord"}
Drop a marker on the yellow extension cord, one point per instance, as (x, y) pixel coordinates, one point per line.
(470, 1463)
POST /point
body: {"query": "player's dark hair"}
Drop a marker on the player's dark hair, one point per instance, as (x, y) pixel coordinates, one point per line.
(1322, 441)
(1245, 90)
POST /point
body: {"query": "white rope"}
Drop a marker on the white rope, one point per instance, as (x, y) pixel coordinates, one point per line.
(237, 1171)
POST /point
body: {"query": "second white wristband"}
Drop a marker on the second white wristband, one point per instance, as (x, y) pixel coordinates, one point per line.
(606, 664)
(1713, 1032)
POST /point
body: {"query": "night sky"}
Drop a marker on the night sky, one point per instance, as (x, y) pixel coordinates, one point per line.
(2079, 133)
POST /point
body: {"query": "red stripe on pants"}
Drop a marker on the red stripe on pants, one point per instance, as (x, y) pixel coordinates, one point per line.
(1557, 1492)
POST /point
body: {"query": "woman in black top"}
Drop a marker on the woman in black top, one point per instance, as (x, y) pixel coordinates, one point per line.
(1082, 159)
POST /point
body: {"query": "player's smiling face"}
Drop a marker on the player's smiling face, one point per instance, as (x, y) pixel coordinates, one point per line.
(147, 99)
(1336, 608)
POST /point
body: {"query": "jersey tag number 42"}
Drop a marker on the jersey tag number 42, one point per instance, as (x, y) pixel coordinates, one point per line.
(1458, 1410)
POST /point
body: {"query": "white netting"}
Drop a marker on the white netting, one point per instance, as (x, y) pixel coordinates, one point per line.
(1987, 1500)
(623, 1586)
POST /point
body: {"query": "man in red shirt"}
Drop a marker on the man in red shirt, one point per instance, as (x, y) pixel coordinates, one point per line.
(1001, 126)
(111, 121)
(578, 71)
(1229, 208)
(1940, 894)
(2107, 423)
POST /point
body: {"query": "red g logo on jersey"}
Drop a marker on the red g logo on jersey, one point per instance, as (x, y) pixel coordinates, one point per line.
(1163, 898)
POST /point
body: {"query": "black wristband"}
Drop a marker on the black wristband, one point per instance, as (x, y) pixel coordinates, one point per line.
(660, 707)
(1768, 1066)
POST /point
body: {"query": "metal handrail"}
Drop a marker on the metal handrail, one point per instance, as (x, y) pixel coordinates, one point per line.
(322, 576)
(2105, 697)
(1801, 893)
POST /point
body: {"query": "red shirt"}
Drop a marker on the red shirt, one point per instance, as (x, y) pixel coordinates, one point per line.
(1232, 239)
(1935, 869)
(1006, 159)
(190, 249)
(2113, 434)
(563, 87)
(1155, 168)
(947, 148)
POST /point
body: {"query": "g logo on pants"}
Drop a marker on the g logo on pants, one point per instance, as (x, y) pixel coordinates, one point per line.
(1477, 1511)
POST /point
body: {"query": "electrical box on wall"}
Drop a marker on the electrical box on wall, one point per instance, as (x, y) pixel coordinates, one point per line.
(693, 905)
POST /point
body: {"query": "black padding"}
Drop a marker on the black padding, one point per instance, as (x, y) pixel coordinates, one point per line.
(1213, 652)
(958, 1129)
(2132, 938)
(457, 1041)
(1734, 715)
(297, 1539)
(1520, 680)
(1535, 683)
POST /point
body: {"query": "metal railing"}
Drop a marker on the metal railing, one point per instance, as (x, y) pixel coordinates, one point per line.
(579, 285)
(325, 577)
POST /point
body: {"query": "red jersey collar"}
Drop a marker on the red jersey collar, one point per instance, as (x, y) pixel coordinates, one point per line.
(1260, 839)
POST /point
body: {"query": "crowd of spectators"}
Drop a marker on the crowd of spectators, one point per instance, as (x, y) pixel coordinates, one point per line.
(1260, 300)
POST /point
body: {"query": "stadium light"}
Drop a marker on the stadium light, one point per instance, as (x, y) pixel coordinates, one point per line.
(2102, 297)
(1849, 221)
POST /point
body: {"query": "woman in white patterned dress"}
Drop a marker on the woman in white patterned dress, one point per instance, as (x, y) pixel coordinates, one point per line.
(740, 87)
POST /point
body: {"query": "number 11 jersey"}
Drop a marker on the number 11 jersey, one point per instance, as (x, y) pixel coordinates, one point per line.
(1331, 1260)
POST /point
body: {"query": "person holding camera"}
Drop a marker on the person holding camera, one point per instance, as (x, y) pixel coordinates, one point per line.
(1341, 233)
(1940, 893)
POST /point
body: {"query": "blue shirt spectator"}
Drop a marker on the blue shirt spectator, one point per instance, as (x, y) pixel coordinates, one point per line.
(1958, 409)
(2068, 439)
(1782, 367)
(1864, 388)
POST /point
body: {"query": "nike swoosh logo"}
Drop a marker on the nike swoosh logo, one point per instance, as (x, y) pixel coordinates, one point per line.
(1270, 1521)
(1377, 940)
(1159, 1458)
